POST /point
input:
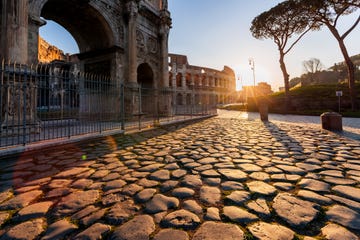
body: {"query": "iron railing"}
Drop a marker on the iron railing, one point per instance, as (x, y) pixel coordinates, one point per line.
(45, 102)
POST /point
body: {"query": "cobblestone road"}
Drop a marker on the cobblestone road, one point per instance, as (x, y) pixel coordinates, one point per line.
(222, 178)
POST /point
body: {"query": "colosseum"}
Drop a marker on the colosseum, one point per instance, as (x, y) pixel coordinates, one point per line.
(199, 86)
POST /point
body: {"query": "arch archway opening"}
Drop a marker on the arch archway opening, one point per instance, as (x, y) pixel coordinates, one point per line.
(145, 76)
(55, 43)
(93, 38)
(87, 25)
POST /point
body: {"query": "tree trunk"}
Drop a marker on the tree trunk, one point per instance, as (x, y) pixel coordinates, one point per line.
(349, 64)
(286, 81)
(351, 75)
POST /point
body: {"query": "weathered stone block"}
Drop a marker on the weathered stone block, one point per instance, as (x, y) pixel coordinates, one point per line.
(331, 121)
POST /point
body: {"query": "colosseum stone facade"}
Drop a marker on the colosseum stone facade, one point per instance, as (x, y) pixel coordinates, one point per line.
(196, 85)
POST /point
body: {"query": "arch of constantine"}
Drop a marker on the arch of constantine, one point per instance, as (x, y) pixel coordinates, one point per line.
(117, 35)
(125, 40)
(122, 69)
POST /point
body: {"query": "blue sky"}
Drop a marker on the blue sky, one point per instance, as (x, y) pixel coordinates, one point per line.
(215, 33)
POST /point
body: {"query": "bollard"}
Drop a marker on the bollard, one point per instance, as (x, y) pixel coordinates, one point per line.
(331, 121)
(263, 110)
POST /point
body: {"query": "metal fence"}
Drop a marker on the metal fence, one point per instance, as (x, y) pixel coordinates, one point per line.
(45, 102)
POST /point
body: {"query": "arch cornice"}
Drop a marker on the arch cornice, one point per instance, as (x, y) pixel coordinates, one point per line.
(35, 7)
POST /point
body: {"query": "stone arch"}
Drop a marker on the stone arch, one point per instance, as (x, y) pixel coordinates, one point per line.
(188, 99)
(204, 80)
(170, 79)
(145, 75)
(188, 80)
(197, 81)
(197, 99)
(210, 81)
(179, 80)
(216, 82)
(84, 22)
(88, 22)
(179, 99)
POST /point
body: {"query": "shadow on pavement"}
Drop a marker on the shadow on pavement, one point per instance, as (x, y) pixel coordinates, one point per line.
(351, 135)
(282, 137)
(20, 170)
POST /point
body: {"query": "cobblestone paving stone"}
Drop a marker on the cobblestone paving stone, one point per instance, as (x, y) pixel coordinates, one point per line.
(221, 178)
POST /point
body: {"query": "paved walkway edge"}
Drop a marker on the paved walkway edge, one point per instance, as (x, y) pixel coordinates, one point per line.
(9, 151)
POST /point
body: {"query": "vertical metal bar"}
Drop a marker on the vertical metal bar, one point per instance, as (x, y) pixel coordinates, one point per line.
(35, 81)
(93, 115)
(16, 126)
(139, 106)
(24, 82)
(2, 91)
(45, 75)
(7, 89)
(157, 106)
(90, 91)
(100, 85)
(68, 102)
(122, 102)
(62, 118)
(8, 92)
(58, 117)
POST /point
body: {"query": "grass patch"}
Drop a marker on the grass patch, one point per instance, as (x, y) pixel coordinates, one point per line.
(248, 236)
(307, 100)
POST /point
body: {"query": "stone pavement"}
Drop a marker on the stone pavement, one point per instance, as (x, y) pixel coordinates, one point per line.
(221, 178)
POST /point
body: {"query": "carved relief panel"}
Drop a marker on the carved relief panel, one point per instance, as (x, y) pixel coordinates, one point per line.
(147, 45)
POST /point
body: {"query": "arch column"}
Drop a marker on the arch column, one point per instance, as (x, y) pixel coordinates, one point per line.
(132, 43)
(164, 36)
(14, 31)
(35, 23)
(20, 99)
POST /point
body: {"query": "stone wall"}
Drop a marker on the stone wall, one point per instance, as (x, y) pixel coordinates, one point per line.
(48, 53)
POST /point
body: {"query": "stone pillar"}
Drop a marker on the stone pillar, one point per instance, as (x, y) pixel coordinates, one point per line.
(174, 74)
(14, 31)
(331, 121)
(192, 83)
(166, 98)
(132, 99)
(200, 79)
(35, 23)
(19, 93)
(132, 43)
(164, 36)
(183, 80)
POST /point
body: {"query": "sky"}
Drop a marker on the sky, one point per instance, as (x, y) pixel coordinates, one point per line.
(215, 33)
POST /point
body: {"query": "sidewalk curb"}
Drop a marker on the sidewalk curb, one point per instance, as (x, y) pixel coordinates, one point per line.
(43, 145)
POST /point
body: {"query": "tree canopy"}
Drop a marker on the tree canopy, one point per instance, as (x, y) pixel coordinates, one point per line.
(312, 65)
(327, 13)
(281, 24)
(295, 18)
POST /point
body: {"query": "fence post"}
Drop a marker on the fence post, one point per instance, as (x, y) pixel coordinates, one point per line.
(157, 108)
(140, 110)
(99, 82)
(24, 102)
(122, 106)
(2, 93)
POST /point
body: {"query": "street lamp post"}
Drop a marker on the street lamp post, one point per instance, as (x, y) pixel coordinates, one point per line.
(252, 65)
